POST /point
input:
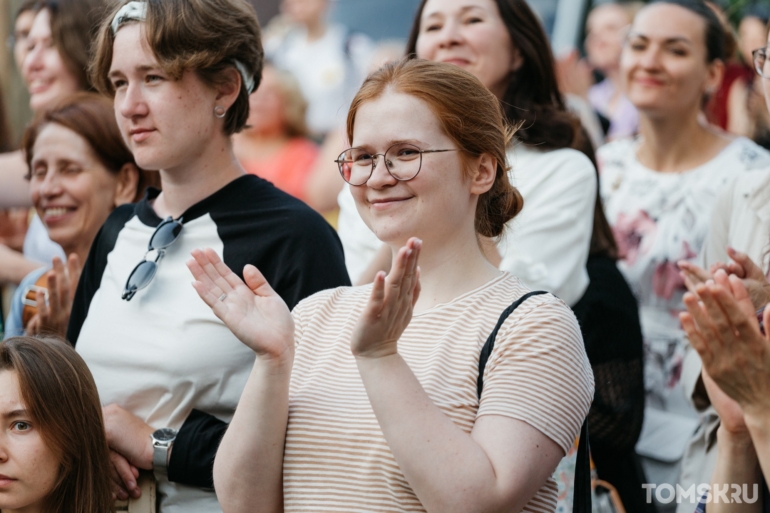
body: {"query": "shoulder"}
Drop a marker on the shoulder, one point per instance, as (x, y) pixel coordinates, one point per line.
(108, 234)
(615, 153)
(747, 154)
(562, 165)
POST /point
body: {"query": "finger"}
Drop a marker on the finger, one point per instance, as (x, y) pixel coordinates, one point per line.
(744, 324)
(43, 313)
(33, 326)
(227, 274)
(745, 264)
(738, 289)
(256, 281)
(395, 277)
(126, 479)
(721, 279)
(695, 272)
(688, 282)
(407, 289)
(377, 297)
(695, 338)
(719, 318)
(695, 308)
(198, 270)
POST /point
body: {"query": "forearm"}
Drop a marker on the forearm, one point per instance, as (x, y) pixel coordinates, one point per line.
(14, 267)
(759, 428)
(737, 468)
(445, 467)
(248, 469)
(15, 189)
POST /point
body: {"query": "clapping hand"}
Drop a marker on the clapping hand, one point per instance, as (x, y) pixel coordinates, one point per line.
(251, 309)
(740, 265)
(721, 325)
(53, 314)
(389, 310)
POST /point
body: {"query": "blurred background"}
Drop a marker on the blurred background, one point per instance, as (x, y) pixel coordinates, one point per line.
(379, 19)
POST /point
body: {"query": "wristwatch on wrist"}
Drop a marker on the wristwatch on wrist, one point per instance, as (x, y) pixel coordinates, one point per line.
(162, 442)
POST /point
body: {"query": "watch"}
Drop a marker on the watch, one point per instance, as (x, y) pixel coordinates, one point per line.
(162, 442)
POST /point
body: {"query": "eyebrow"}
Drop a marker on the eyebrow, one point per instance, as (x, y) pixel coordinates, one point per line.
(675, 39)
(142, 68)
(15, 414)
(391, 142)
(463, 10)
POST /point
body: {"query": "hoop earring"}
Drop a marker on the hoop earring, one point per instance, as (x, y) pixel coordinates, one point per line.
(219, 111)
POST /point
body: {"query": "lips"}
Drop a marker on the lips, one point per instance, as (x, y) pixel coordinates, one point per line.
(457, 61)
(649, 82)
(39, 85)
(5, 480)
(138, 135)
(55, 214)
(383, 203)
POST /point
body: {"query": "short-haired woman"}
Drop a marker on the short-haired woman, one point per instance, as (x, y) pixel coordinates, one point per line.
(383, 378)
(180, 73)
(53, 452)
(80, 170)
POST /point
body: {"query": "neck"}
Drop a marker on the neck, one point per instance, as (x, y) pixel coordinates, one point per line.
(187, 184)
(316, 29)
(450, 267)
(676, 143)
(32, 508)
(81, 251)
(613, 75)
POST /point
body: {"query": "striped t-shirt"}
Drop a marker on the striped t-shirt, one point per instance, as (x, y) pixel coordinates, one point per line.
(337, 458)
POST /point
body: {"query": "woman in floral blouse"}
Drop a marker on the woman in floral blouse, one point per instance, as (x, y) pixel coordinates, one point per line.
(659, 190)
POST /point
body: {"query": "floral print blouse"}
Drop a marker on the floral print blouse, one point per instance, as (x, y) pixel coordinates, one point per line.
(659, 219)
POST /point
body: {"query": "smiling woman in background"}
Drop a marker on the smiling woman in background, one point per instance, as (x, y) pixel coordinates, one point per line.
(659, 191)
(79, 171)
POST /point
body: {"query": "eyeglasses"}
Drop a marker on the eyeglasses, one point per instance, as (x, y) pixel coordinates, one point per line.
(402, 160)
(165, 235)
(760, 59)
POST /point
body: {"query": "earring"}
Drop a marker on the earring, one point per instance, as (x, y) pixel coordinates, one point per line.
(219, 111)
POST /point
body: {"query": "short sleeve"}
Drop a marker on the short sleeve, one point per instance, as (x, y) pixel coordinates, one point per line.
(538, 371)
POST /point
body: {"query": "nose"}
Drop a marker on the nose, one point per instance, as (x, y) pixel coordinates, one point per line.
(33, 60)
(131, 103)
(650, 58)
(450, 34)
(50, 186)
(381, 177)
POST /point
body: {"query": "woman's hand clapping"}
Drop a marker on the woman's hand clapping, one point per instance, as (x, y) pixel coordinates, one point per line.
(389, 310)
(252, 310)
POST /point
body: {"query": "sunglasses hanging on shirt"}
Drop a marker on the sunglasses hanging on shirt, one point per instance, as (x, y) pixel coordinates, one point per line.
(165, 235)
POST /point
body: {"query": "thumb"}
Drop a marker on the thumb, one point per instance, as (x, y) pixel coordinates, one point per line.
(750, 268)
(256, 281)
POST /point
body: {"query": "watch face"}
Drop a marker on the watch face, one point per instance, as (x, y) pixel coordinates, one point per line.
(164, 435)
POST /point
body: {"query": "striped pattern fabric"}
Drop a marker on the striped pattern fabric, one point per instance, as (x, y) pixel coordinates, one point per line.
(336, 457)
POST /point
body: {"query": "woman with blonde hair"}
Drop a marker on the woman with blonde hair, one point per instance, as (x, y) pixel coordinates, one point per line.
(385, 378)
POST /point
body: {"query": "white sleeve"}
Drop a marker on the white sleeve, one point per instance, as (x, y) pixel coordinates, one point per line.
(547, 245)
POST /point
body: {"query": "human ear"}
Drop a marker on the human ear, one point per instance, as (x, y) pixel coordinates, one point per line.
(517, 61)
(126, 184)
(716, 71)
(484, 174)
(228, 90)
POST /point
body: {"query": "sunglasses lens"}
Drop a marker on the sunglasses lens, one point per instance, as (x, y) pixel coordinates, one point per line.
(165, 235)
(140, 277)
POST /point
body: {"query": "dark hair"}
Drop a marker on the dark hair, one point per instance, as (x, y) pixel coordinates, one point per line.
(92, 117)
(60, 394)
(757, 10)
(714, 36)
(73, 27)
(469, 114)
(532, 96)
(204, 36)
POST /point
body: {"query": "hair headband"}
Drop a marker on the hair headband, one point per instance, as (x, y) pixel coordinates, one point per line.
(137, 11)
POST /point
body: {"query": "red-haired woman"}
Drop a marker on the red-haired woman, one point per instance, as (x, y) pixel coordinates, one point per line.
(383, 378)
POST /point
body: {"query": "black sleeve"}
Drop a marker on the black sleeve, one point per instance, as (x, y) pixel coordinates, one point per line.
(311, 262)
(196, 444)
(94, 268)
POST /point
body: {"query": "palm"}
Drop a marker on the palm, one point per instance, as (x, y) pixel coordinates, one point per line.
(252, 310)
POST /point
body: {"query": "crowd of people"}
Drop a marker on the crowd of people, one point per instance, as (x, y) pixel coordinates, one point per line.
(360, 223)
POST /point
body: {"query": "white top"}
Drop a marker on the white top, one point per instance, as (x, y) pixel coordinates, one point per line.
(38, 246)
(337, 457)
(329, 70)
(659, 219)
(546, 245)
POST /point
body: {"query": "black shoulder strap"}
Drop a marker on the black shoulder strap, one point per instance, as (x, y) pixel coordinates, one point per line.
(486, 351)
(581, 498)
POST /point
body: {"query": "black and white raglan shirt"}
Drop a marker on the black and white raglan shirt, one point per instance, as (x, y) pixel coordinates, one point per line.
(164, 355)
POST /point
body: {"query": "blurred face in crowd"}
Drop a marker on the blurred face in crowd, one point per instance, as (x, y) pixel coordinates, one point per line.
(166, 123)
(751, 35)
(21, 30)
(305, 12)
(438, 197)
(47, 77)
(28, 469)
(71, 190)
(664, 63)
(472, 35)
(606, 27)
(766, 81)
(267, 106)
